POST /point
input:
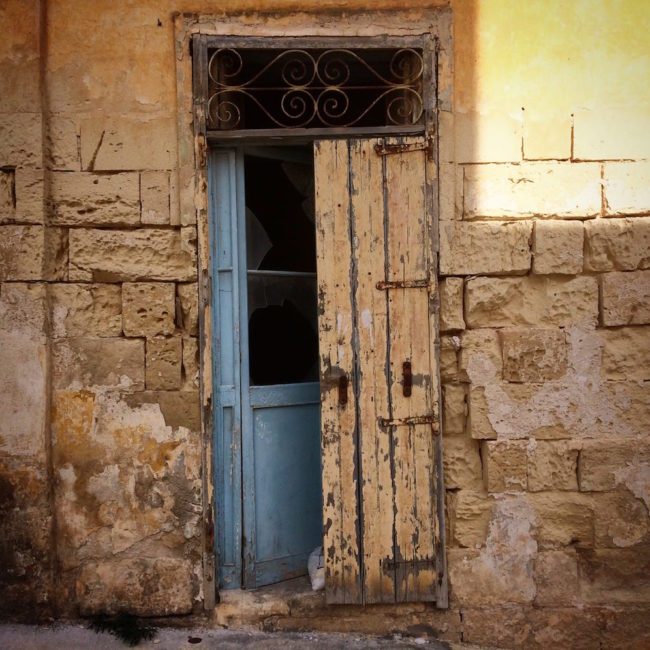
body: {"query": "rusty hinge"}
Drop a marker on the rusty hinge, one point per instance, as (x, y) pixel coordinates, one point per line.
(403, 422)
(404, 147)
(403, 284)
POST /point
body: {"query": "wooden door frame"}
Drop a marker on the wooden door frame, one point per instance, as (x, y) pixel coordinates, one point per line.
(431, 27)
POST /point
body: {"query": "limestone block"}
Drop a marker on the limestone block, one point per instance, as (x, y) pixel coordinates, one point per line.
(7, 195)
(21, 140)
(25, 529)
(145, 254)
(449, 346)
(611, 134)
(534, 629)
(23, 310)
(163, 370)
(552, 466)
(22, 252)
(546, 136)
(620, 519)
(628, 622)
(614, 575)
(87, 362)
(501, 571)
(56, 254)
(533, 355)
(534, 300)
(470, 514)
(140, 586)
(454, 409)
(451, 304)
(189, 303)
(451, 191)
(504, 465)
(626, 298)
(605, 464)
(128, 143)
(86, 310)
(19, 71)
(480, 349)
(626, 353)
(501, 248)
(63, 142)
(154, 193)
(178, 408)
(532, 189)
(148, 308)
(23, 394)
(487, 137)
(627, 188)
(82, 199)
(556, 578)
(190, 363)
(558, 247)
(29, 192)
(461, 463)
(576, 407)
(617, 244)
(563, 519)
(21, 196)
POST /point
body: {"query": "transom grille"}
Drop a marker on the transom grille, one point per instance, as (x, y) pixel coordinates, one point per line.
(265, 88)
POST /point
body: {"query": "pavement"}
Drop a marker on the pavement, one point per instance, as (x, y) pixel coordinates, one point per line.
(73, 637)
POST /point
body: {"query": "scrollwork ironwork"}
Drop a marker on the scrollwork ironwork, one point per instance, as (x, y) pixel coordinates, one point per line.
(322, 88)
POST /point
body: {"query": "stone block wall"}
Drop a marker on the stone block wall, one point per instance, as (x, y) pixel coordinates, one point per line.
(545, 354)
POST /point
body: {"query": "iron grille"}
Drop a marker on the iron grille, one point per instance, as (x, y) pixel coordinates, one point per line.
(266, 88)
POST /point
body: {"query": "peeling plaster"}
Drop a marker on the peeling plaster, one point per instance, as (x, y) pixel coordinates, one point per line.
(636, 478)
(580, 402)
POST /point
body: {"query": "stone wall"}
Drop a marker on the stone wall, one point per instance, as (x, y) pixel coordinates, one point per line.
(545, 320)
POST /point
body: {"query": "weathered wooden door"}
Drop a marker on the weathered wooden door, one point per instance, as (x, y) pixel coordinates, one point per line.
(266, 403)
(379, 380)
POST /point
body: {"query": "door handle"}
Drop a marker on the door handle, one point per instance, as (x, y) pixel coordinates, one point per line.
(407, 379)
(343, 390)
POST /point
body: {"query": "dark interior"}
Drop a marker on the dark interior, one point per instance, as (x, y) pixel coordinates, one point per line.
(281, 262)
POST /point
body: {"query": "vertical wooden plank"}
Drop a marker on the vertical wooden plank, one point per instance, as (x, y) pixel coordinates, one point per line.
(367, 216)
(338, 422)
(413, 457)
(226, 176)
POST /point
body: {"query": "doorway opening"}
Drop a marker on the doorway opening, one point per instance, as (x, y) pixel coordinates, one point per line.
(268, 410)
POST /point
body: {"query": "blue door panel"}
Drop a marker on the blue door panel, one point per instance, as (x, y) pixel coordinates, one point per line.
(267, 438)
(287, 488)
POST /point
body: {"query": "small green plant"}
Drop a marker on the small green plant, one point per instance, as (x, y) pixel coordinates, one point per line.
(126, 627)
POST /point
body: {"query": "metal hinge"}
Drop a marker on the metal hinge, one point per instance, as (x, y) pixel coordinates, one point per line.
(405, 147)
(403, 284)
(384, 423)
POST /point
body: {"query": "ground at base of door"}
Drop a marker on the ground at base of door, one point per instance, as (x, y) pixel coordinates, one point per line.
(74, 637)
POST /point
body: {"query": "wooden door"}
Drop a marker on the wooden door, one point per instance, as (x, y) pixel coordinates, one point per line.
(382, 484)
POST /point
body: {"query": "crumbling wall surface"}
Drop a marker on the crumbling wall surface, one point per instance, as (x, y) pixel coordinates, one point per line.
(545, 319)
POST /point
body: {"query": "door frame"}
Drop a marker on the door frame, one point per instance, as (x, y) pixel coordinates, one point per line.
(431, 27)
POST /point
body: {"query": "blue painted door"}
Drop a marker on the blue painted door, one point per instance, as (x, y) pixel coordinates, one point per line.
(265, 359)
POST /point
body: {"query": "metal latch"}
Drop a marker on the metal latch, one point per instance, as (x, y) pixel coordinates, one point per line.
(404, 147)
(384, 423)
(403, 284)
